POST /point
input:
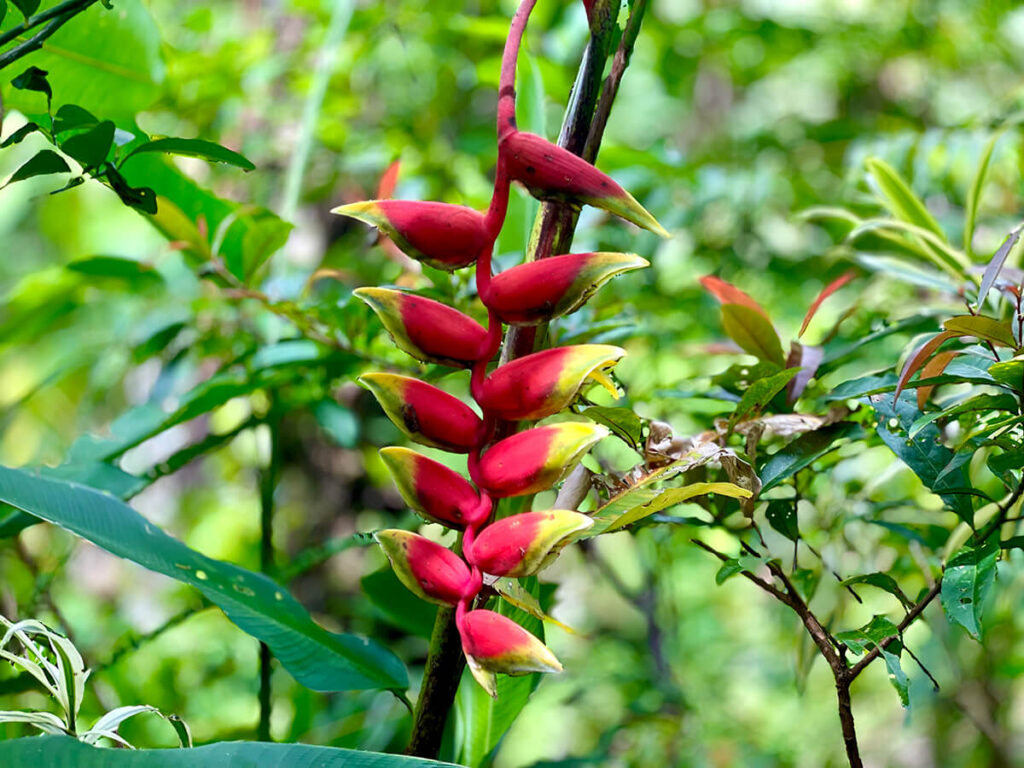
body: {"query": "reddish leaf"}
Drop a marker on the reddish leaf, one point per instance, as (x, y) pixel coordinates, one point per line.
(727, 293)
(388, 181)
(920, 356)
(827, 291)
(934, 367)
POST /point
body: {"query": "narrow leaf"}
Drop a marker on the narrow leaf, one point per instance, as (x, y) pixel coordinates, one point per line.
(726, 293)
(20, 134)
(920, 356)
(934, 368)
(974, 199)
(827, 291)
(899, 198)
(205, 150)
(884, 582)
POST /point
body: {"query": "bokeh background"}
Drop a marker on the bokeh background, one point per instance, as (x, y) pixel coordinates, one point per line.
(732, 118)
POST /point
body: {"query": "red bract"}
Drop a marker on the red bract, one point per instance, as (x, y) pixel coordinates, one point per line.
(425, 413)
(493, 643)
(431, 571)
(522, 545)
(439, 494)
(534, 460)
(553, 173)
(539, 291)
(539, 385)
(425, 329)
(441, 235)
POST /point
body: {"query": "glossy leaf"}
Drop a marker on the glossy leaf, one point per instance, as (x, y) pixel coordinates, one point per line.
(623, 422)
(827, 291)
(804, 451)
(316, 658)
(609, 520)
(65, 752)
(204, 150)
(751, 330)
(995, 264)
(966, 583)
(882, 581)
(45, 162)
(782, 516)
(920, 356)
(90, 148)
(982, 327)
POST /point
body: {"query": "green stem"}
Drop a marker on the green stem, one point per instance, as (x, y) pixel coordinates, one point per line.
(268, 483)
(340, 17)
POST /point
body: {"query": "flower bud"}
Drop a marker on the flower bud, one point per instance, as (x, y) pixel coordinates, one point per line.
(493, 643)
(429, 570)
(541, 384)
(425, 413)
(522, 545)
(425, 329)
(534, 460)
(538, 291)
(444, 236)
(434, 491)
(553, 173)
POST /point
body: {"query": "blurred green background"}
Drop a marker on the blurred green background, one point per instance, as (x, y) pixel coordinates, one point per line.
(732, 118)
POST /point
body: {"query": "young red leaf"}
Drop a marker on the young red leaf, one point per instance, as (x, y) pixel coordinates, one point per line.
(827, 291)
(934, 367)
(726, 293)
(919, 357)
(388, 181)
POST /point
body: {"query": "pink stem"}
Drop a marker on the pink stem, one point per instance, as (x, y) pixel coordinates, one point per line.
(506, 83)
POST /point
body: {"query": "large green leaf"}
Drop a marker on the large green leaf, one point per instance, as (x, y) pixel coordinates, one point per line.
(751, 330)
(65, 752)
(318, 659)
(105, 60)
(966, 582)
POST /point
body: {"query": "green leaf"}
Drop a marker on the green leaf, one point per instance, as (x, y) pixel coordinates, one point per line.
(107, 62)
(753, 333)
(804, 451)
(264, 236)
(761, 392)
(1009, 372)
(34, 79)
(899, 199)
(974, 199)
(135, 273)
(91, 147)
(781, 515)
(19, 135)
(983, 402)
(204, 150)
(884, 582)
(66, 752)
(71, 116)
(982, 327)
(45, 162)
(735, 565)
(607, 519)
(316, 658)
(967, 580)
(897, 676)
(140, 198)
(339, 422)
(396, 604)
(924, 454)
(27, 7)
(623, 422)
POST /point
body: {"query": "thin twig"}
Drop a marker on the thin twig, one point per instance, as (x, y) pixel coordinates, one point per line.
(35, 42)
(76, 6)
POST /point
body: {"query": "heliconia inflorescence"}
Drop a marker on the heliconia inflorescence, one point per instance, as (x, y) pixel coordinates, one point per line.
(530, 388)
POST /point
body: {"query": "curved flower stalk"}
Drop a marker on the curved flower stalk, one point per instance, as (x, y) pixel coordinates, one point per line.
(528, 389)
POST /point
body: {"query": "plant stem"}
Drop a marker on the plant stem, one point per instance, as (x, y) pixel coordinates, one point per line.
(445, 661)
(582, 132)
(268, 483)
(441, 678)
(340, 16)
(57, 16)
